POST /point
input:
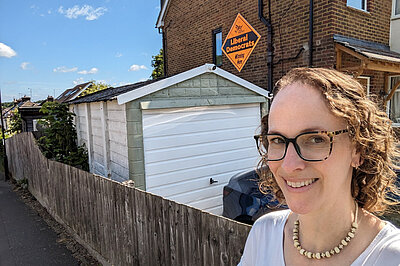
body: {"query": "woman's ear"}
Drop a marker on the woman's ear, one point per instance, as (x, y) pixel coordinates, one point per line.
(356, 159)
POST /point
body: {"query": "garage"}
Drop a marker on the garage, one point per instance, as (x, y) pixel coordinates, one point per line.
(181, 137)
(191, 153)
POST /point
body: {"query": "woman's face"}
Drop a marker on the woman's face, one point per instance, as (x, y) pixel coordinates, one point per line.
(310, 186)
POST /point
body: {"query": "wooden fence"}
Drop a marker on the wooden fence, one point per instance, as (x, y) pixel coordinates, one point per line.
(121, 225)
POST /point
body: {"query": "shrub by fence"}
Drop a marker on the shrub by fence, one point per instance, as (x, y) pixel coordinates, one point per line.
(121, 225)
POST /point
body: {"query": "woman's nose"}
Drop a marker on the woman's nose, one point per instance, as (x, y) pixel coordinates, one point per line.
(292, 161)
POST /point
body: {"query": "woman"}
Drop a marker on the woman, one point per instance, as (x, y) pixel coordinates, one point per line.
(327, 152)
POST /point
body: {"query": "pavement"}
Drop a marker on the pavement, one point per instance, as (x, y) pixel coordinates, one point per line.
(25, 239)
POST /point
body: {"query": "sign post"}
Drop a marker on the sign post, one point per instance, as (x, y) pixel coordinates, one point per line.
(240, 42)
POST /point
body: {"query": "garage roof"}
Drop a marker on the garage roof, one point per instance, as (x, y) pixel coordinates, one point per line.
(110, 93)
(131, 92)
(167, 82)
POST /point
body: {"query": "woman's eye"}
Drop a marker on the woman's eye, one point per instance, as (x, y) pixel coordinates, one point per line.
(316, 140)
(276, 141)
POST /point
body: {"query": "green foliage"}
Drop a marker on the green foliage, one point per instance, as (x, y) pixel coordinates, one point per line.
(15, 125)
(7, 104)
(99, 86)
(158, 64)
(23, 183)
(59, 141)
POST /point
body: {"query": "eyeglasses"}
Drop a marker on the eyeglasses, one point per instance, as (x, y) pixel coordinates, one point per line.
(310, 146)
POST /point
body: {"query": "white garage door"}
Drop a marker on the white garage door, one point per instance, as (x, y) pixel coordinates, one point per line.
(185, 147)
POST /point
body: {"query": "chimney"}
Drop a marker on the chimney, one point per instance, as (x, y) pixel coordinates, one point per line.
(25, 98)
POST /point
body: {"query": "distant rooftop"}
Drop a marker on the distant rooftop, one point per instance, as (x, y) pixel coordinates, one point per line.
(111, 93)
(71, 94)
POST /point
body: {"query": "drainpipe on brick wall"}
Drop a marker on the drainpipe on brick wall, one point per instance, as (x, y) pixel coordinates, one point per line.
(311, 34)
(270, 48)
(164, 47)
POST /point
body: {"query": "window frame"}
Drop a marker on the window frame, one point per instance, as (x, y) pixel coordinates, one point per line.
(394, 15)
(368, 83)
(394, 124)
(214, 41)
(365, 9)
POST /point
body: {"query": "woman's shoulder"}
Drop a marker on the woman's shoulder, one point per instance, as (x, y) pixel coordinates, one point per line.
(390, 236)
(384, 249)
(273, 219)
(264, 243)
(388, 246)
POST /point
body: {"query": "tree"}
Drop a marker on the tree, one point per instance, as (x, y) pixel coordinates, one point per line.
(99, 86)
(15, 125)
(60, 140)
(7, 104)
(158, 64)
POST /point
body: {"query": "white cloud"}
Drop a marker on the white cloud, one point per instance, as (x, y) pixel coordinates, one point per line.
(24, 65)
(6, 51)
(86, 11)
(78, 81)
(137, 67)
(64, 69)
(93, 70)
(118, 54)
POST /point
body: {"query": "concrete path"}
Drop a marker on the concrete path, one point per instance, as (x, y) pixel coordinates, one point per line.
(25, 239)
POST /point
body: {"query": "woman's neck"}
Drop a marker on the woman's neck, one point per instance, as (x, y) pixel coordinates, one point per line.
(325, 228)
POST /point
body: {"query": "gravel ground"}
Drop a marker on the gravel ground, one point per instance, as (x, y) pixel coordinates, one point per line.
(78, 251)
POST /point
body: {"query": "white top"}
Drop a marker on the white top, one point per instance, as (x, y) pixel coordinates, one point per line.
(264, 245)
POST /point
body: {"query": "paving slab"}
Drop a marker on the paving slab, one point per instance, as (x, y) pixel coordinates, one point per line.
(25, 239)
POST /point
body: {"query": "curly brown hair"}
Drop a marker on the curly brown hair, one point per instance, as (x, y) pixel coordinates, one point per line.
(370, 130)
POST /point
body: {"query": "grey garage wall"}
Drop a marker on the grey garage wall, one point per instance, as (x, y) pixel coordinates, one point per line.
(204, 90)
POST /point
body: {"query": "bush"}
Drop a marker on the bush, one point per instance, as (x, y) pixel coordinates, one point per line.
(59, 140)
(15, 123)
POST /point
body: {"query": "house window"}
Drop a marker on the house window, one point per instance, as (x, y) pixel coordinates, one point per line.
(365, 82)
(396, 7)
(217, 45)
(359, 4)
(394, 104)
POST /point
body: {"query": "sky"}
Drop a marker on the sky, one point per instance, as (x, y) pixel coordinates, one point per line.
(48, 46)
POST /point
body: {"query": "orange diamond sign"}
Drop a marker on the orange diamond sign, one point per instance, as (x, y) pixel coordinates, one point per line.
(240, 42)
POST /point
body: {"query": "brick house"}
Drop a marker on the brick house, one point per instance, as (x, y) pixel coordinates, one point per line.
(350, 35)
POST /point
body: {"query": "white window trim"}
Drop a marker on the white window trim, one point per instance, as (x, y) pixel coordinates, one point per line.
(366, 6)
(368, 83)
(394, 16)
(388, 102)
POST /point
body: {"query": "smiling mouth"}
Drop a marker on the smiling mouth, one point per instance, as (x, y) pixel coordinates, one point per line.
(301, 183)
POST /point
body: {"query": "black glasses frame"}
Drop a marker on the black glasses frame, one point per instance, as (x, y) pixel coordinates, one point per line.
(330, 134)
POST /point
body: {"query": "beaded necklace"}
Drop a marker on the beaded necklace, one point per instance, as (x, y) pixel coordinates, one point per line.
(327, 254)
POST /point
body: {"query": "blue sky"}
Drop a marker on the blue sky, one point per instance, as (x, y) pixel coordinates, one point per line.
(49, 46)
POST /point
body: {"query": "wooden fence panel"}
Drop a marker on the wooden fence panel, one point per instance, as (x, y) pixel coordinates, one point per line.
(121, 225)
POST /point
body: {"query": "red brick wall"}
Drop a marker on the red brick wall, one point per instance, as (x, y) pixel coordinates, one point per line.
(189, 25)
(373, 25)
